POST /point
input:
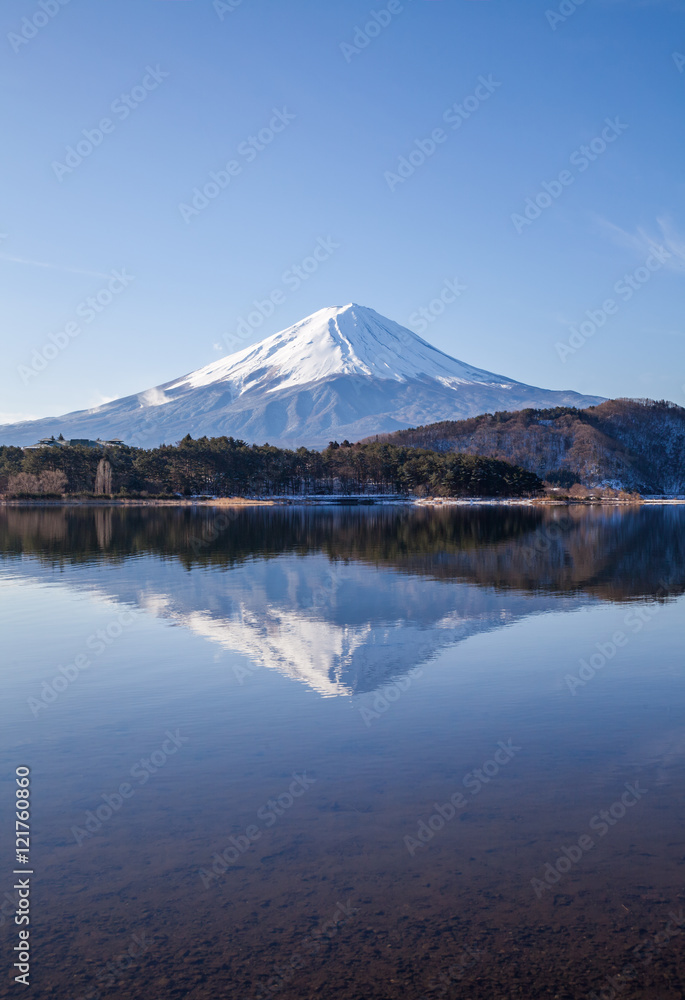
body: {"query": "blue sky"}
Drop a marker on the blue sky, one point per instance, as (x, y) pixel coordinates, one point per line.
(182, 86)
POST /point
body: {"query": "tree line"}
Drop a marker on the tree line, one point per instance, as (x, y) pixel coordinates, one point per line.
(229, 467)
(631, 444)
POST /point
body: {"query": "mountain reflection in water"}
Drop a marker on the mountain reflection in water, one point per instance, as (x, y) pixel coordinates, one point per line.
(346, 599)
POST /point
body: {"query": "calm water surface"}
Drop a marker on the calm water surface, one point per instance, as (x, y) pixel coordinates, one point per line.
(347, 753)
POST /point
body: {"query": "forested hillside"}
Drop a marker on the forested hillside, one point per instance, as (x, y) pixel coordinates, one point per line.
(226, 467)
(625, 443)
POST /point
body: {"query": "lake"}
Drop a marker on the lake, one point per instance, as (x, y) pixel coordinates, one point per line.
(359, 753)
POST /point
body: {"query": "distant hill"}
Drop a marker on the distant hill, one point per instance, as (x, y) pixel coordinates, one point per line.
(631, 444)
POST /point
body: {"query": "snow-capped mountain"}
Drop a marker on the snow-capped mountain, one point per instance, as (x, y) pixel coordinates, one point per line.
(343, 372)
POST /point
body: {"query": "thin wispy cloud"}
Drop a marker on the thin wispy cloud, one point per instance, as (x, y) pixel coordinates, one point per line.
(16, 418)
(99, 400)
(643, 242)
(674, 5)
(53, 267)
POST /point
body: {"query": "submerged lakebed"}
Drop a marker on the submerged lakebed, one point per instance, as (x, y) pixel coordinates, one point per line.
(372, 752)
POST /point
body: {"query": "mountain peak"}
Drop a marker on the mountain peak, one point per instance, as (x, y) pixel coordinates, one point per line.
(336, 341)
(345, 371)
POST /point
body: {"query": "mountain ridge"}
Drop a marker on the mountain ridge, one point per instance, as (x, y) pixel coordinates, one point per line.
(635, 444)
(344, 371)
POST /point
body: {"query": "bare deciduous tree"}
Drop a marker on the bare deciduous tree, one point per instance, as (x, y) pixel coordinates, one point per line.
(103, 477)
(22, 482)
(47, 482)
(52, 482)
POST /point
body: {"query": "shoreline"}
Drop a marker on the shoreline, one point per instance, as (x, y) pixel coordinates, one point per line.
(343, 501)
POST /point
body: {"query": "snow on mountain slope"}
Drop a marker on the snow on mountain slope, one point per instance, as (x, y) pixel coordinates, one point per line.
(343, 372)
(352, 340)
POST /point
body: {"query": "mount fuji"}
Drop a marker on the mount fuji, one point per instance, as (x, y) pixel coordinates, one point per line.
(343, 372)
